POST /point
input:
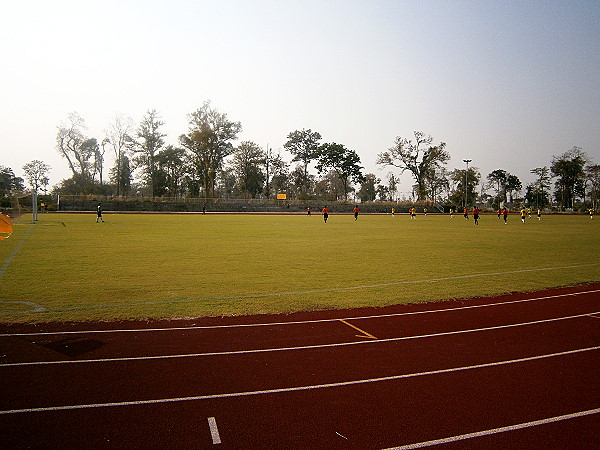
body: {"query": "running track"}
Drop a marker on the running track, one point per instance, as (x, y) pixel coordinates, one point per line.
(518, 371)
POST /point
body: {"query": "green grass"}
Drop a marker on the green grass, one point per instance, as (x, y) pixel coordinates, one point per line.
(157, 266)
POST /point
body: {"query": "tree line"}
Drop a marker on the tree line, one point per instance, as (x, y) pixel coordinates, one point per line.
(205, 163)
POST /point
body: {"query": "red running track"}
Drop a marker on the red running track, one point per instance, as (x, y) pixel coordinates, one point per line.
(518, 371)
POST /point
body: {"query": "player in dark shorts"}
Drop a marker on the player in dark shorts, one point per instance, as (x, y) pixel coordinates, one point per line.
(308, 210)
(99, 213)
(325, 212)
(355, 210)
(476, 215)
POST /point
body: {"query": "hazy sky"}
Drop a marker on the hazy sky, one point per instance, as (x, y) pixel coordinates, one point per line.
(507, 84)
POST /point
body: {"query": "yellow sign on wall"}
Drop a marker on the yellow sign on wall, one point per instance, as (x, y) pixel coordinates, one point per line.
(281, 196)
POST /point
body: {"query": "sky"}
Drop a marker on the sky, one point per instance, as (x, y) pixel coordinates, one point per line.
(507, 84)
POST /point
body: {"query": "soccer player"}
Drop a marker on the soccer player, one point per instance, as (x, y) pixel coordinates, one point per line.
(325, 212)
(539, 214)
(425, 211)
(505, 214)
(476, 215)
(393, 211)
(355, 210)
(591, 214)
(413, 213)
(99, 213)
(308, 210)
(499, 212)
(451, 213)
(523, 214)
(465, 213)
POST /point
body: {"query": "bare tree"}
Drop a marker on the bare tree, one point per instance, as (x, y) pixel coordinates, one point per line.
(119, 135)
(36, 173)
(420, 158)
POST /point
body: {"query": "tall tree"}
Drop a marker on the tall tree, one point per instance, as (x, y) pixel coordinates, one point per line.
(464, 182)
(304, 145)
(148, 144)
(119, 135)
(121, 175)
(497, 180)
(171, 165)
(209, 140)
(276, 172)
(345, 163)
(247, 162)
(569, 169)
(9, 182)
(392, 186)
(368, 188)
(513, 184)
(36, 173)
(540, 187)
(69, 138)
(592, 174)
(420, 158)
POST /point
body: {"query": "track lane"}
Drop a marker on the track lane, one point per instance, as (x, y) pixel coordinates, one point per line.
(369, 415)
(180, 340)
(98, 382)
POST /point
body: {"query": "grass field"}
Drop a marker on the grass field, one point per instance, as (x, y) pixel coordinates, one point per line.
(67, 267)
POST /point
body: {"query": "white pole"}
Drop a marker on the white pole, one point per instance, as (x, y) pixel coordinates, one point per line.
(34, 217)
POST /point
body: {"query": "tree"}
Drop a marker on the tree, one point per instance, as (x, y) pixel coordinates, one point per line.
(392, 186)
(247, 162)
(68, 142)
(150, 141)
(302, 183)
(209, 140)
(513, 184)
(36, 173)
(79, 151)
(121, 174)
(119, 136)
(170, 161)
(539, 188)
(277, 174)
(342, 161)
(471, 179)
(592, 174)
(304, 145)
(330, 187)
(9, 182)
(497, 179)
(420, 158)
(568, 168)
(368, 188)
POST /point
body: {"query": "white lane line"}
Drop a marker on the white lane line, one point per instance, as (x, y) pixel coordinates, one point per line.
(300, 322)
(214, 431)
(520, 426)
(282, 349)
(294, 389)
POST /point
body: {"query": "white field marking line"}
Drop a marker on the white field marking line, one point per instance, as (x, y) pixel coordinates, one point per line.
(297, 388)
(10, 257)
(282, 349)
(315, 291)
(214, 431)
(299, 322)
(519, 426)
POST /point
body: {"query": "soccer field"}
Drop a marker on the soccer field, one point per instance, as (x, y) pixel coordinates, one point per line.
(67, 267)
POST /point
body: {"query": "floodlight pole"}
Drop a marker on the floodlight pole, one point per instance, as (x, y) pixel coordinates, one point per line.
(466, 175)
